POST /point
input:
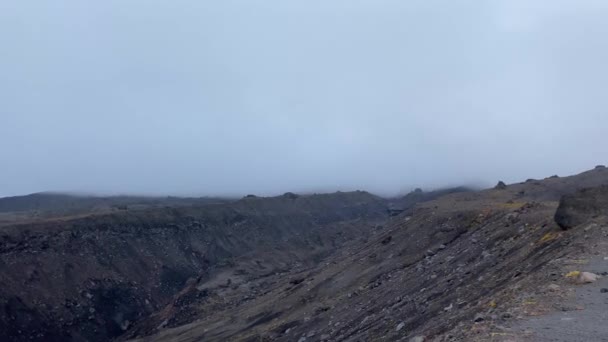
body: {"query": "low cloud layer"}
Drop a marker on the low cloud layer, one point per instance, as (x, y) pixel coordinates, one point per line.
(236, 97)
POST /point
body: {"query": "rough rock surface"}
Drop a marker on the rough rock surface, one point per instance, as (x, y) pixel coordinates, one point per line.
(576, 209)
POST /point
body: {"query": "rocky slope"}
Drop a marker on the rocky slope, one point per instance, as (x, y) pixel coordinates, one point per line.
(454, 265)
(90, 278)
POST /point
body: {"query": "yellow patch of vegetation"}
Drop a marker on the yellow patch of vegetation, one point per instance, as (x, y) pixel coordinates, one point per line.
(494, 334)
(492, 304)
(548, 237)
(573, 274)
(513, 205)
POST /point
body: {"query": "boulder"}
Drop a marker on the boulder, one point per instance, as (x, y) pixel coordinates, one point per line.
(579, 208)
(500, 186)
(479, 318)
(587, 277)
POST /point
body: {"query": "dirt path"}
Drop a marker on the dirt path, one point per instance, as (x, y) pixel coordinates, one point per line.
(585, 318)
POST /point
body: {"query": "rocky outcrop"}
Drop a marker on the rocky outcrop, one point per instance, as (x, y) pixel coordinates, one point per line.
(500, 186)
(582, 206)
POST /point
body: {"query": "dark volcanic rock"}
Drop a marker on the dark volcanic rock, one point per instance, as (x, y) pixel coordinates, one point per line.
(582, 206)
(500, 186)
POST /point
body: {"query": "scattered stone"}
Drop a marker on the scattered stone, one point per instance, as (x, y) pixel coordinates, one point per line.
(400, 326)
(604, 290)
(387, 240)
(553, 287)
(506, 315)
(512, 217)
(162, 325)
(297, 281)
(479, 318)
(587, 277)
(418, 339)
(125, 325)
(566, 308)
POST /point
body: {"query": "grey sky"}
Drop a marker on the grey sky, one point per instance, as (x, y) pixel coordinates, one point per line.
(235, 97)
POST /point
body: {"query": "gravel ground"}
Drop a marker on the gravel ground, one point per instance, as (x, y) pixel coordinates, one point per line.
(587, 323)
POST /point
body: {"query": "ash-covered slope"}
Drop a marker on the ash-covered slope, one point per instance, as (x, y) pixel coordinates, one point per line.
(455, 263)
(91, 278)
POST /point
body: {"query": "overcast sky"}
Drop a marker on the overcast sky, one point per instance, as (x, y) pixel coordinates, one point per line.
(233, 97)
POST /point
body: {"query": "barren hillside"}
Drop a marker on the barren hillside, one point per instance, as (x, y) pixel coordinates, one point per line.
(456, 265)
